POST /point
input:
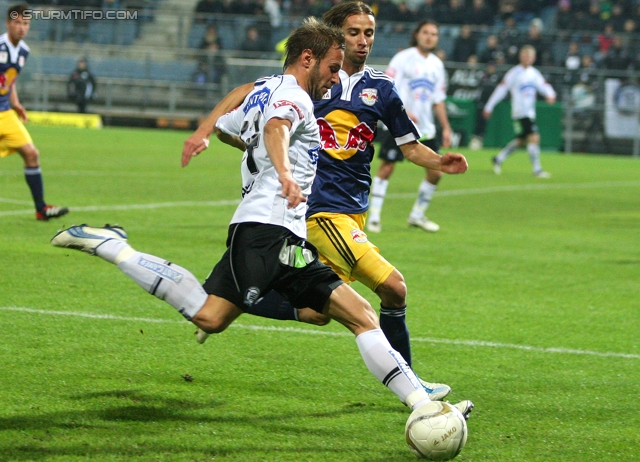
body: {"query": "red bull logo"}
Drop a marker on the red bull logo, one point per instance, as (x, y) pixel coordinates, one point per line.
(342, 135)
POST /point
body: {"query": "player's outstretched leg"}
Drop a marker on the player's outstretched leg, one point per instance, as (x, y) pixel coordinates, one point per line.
(166, 281)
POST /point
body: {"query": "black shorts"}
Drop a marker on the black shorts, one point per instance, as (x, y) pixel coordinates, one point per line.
(524, 127)
(252, 266)
(390, 152)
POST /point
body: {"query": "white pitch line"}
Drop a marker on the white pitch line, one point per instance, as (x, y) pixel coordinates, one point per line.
(455, 192)
(297, 330)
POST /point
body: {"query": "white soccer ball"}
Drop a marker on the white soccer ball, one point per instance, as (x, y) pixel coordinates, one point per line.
(436, 431)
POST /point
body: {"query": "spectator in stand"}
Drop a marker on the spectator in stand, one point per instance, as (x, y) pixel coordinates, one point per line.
(617, 57)
(509, 39)
(605, 39)
(205, 8)
(572, 59)
(386, 10)
(481, 14)
(253, 42)
(428, 9)
(491, 52)
(210, 37)
(455, 12)
(507, 8)
(537, 40)
(618, 16)
(630, 28)
(464, 45)
(298, 8)
(593, 19)
(564, 15)
(214, 61)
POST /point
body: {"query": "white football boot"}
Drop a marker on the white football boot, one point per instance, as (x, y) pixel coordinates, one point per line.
(436, 391)
(424, 223)
(86, 238)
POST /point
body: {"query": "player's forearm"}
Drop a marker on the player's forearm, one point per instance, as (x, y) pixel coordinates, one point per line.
(13, 97)
(227, 104)
(421, 155)
(440, 110)
(276, 141)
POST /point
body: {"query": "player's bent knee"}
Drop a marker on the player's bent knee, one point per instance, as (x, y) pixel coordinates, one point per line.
(393, 291)
(311, 316)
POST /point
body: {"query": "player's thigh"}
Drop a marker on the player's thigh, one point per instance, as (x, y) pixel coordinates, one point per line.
(340, 241)
(13, 134)
(372, 269)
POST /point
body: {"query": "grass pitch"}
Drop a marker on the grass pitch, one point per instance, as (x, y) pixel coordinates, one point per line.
(526, 302)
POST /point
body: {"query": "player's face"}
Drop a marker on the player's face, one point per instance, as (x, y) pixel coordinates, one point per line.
(359, 33)
(324, 73)
(427, 38)
(18, 28)
(527, 57)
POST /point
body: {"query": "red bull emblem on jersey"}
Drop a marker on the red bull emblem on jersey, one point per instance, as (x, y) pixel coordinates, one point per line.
(342, 135)
(369, 96)
(359, 236)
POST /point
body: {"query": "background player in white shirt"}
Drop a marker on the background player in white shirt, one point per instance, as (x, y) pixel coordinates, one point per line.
(266, 246)
(524, 82)
(421, 80)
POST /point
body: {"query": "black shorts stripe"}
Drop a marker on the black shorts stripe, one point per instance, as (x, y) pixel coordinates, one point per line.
(390, 376)
(336, 239)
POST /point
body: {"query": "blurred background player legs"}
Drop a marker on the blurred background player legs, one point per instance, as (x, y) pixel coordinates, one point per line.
(389, 155)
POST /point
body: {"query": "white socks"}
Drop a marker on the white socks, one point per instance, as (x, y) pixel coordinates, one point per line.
(171, 283)
(534, 155)
(378, 191)
(390, 368)
(425, 194)
(507, 151)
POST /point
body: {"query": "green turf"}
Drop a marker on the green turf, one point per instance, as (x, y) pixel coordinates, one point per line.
(526, 302)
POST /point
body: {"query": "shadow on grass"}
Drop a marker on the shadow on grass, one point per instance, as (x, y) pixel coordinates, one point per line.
(149, 427)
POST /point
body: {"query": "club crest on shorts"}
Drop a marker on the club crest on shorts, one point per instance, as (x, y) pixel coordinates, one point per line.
(369, 96)
(251, 295)
(359, 236)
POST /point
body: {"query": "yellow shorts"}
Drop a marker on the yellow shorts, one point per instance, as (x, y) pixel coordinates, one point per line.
(13, 134)
(344, 246)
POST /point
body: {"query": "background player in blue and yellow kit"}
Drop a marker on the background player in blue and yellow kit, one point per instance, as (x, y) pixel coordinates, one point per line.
(339, 200)
(14, 137)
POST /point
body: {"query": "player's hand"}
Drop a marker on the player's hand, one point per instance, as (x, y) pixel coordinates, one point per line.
(486, 115)
(193, 146)
(291, 190)
(22, 112)
(454, 163)
(551, 100)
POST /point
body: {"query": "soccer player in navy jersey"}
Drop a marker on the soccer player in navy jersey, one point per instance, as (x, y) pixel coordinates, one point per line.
(347, 117)
(14, 137)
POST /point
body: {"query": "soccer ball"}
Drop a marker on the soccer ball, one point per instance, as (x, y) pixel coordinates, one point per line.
(436, 431)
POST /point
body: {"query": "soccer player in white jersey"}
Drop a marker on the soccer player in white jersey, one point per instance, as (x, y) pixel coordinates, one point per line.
(524, 82)
(421, 80)
(267, 249)
(14, 137)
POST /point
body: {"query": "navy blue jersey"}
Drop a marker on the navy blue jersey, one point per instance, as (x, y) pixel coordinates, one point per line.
(12, 59)
(348, 117)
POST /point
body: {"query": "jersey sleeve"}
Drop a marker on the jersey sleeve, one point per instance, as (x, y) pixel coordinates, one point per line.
(544, 87)
(395, 117)
(500, 92)
(440, 90)
(231, 123)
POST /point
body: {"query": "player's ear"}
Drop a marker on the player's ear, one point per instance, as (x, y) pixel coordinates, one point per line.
(307, 58)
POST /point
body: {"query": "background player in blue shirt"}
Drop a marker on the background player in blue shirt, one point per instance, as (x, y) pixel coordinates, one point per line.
(14, 137)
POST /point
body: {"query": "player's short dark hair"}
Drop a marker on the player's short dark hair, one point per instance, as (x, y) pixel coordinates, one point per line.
(337, 15)
(413, 41)
(312, 35)
(19, 9)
